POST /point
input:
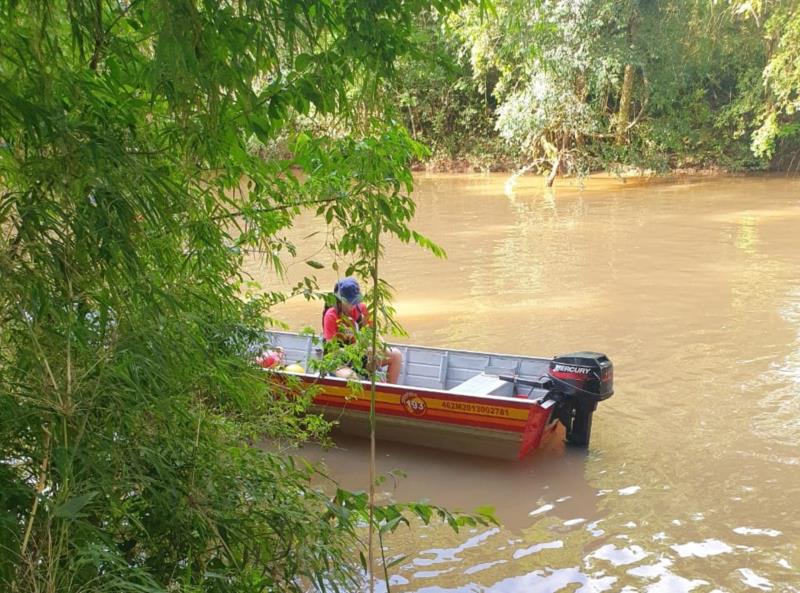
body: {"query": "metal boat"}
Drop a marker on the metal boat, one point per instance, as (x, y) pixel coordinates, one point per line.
(476, 403)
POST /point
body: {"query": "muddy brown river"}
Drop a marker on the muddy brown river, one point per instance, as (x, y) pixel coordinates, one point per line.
(692, 478)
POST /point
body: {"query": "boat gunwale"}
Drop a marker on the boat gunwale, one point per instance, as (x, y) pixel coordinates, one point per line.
(479, 352)
(368, 384)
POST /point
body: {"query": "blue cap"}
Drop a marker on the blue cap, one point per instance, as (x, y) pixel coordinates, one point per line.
(348, 290)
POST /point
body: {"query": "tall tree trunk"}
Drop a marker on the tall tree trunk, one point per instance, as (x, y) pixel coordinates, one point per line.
(582, 92)
(413, 126)
(563, 164)
(624, 114)
(554, 155)
(554, 171)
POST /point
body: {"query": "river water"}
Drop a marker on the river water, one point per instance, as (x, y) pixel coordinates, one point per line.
(692, 478)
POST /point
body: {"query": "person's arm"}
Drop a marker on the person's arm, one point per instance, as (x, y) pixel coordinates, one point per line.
(330, 324)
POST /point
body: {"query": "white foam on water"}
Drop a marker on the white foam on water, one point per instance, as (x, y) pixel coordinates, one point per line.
(619, 556)
(542, 509)
(394, 580)
(483, 566)
(538, 548)
(541, 581)
(704, 549)
(471, 588)
(672, 583)
(592, 528)
(751, 579)
(756, 531)
(451, 554)
(429, 574)
(652, 571)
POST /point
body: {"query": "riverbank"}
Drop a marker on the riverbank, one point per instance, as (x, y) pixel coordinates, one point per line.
(508, 165)
(470, 167)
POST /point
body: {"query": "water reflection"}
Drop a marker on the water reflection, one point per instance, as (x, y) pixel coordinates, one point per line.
(692, 289)
(551, 479)
(779, 409)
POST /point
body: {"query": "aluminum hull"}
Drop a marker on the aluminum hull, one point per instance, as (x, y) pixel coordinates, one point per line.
(472, 412)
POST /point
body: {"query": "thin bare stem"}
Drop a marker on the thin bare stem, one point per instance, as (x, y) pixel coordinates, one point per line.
(375, 308)
(40, 483)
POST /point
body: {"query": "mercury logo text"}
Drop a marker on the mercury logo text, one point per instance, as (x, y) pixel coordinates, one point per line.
(571, 369)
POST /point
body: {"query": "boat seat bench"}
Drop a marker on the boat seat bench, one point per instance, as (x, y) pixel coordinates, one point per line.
(481, 384)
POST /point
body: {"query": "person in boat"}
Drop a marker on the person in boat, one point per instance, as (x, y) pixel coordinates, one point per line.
(342, 321)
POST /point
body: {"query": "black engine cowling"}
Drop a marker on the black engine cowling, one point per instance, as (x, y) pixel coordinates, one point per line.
(580, 381)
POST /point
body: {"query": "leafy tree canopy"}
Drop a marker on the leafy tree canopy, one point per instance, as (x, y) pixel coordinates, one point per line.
(128, 198)
(577, 86)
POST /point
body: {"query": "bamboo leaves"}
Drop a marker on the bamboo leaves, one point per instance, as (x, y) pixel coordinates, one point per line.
(72, 508)
(128, 198)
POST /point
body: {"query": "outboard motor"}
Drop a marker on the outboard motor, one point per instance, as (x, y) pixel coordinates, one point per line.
(579, 381)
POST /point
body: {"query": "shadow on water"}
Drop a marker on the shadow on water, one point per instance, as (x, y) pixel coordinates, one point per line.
(552, 475)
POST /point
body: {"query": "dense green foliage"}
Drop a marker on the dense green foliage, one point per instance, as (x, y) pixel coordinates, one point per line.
(576, 86)
(779, 133)
(128, 197)
(439, 100)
